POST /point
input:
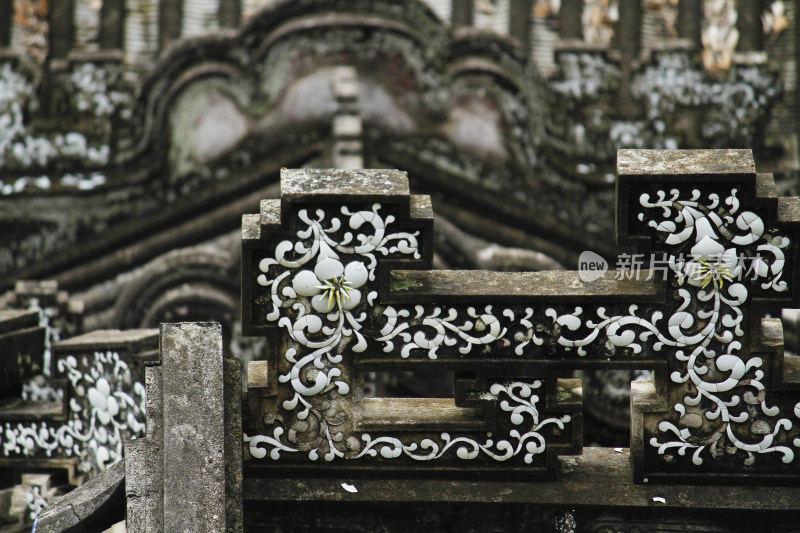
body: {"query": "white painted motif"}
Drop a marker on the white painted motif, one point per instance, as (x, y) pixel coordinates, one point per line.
(516, 398)
(324, 290)
(21, 150)
(709, 284)
(102, 416)
(334, 289)
(709, 241)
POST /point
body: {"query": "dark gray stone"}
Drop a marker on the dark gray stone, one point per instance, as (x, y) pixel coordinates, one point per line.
(186, 474)
(94, 506)
(194, 430)
(169, 21)
(462, 13)
(690, 21)
(748, 22)
(62, 28)
(472, 285)
(694, 163)
(112, 23)
(599, 477)
(230, 13)
(298, 184)
(6, 17)
(569, 19)
(21, 348)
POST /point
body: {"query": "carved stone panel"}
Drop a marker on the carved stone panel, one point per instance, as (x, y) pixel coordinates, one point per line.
(339, 265)
(98, 377)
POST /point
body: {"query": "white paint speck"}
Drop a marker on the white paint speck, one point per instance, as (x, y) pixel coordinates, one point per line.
(349, 488)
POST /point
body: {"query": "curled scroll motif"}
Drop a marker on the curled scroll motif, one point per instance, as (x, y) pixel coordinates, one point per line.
(318, 287)
(516, 398)
(719, 257)
(107, 409)
(441, 327)
(733, 255)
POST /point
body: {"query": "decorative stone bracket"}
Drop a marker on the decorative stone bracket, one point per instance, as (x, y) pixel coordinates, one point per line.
(337, 272)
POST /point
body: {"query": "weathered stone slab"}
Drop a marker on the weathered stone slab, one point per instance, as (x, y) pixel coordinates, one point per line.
(320, 184)
(94, 506)
(194, 429)
(696, 164)
(599, 477)
(186, 474)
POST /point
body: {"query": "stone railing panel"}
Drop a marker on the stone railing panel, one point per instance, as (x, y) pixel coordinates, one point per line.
(339, 266)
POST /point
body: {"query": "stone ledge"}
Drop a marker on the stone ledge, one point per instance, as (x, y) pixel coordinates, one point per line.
(557, 285)
(110, 338)
(600, 477)
(94, 506)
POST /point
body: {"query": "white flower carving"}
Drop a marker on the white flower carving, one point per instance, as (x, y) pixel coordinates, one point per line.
(332, 284)
(712, 263)
(103, 402)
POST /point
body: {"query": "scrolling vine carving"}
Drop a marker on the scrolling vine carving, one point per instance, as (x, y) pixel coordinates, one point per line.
(329, 266)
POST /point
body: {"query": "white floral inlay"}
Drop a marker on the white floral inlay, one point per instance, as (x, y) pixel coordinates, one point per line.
(728, 411)
(332, 283)
(107, 409)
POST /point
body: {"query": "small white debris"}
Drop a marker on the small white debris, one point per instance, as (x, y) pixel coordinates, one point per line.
(659, 499)
(619, 450)
(349, 488)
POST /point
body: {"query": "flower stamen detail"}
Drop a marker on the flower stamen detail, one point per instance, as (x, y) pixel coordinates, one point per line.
(710, 272)
(336, 289)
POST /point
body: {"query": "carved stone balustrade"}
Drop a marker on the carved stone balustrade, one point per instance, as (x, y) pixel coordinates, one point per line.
(96, 381)
(337, 274)
(339, 265)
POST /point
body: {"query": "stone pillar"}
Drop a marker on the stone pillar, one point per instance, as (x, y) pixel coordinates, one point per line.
(230, 13)
(169, 21)
(462, 13)
(629, 28)
(62, 28)
(185, 476)
(690, 21)
(570, 25)
(112, 24)
(6, 18)
(629, 34)
(347, 150)
(520, 21)
(748, 22)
